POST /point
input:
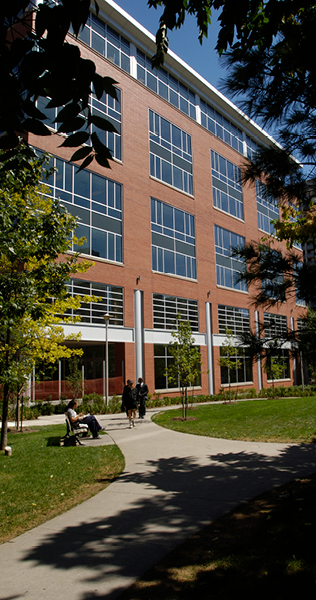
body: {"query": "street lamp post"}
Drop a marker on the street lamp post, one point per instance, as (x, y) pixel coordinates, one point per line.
(106, 318)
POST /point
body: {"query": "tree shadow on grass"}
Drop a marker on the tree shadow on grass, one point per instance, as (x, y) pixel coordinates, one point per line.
(172, 499)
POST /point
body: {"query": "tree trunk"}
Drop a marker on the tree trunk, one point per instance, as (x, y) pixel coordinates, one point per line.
(4, 428)
(5, 406)
(17, 411)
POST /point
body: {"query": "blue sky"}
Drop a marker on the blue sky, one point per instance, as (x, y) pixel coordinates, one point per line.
(184, 42)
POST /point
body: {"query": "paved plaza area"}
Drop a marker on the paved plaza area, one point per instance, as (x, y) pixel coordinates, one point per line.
(173, 484)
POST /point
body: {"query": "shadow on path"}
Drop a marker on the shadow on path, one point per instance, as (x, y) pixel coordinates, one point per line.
(172, 498)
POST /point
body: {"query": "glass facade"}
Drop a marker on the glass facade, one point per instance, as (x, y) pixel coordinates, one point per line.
(112, 302)
(167, 308)
(224, 129)
(107, 108)
(241, 372)
(227, 188)
(267, 209)
(274, 325)
(227, 268)
(97, 202)
(106, 41)
(163, 360)
(235, 319)
(172, 240)
(170, 153)
(165, 85)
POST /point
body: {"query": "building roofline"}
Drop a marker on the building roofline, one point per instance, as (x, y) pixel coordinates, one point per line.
(141, 35)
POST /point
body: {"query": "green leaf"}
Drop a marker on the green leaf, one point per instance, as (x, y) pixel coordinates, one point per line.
(77, 139)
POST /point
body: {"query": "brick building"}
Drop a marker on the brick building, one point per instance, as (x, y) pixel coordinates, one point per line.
(160, 224)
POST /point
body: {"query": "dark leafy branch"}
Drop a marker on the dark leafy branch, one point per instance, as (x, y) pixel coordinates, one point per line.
(37, 61)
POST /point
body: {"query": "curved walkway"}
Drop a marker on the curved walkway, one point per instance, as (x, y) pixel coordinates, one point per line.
(173, 484)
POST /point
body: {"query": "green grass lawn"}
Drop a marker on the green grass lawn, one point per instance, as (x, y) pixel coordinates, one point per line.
(281, 420)
(41, 479)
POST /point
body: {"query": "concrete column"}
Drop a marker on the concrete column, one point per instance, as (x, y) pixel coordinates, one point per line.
(133, 61)
(59, 380)
(259, 359)
(198, 109)
(294, 357)
(138, 319)
(209, 344)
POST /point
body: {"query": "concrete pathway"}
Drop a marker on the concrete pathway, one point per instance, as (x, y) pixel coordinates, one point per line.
(172, 486)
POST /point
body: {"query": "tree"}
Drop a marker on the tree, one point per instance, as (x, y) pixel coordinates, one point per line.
(186, 365)
(228, 350)
(74, 378)
(267, 345)
(34, 271)
(36, 61)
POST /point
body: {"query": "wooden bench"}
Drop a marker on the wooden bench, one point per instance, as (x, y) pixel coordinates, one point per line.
(75, 431)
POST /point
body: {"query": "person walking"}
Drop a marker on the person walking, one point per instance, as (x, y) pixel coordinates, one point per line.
(129, 398)
(142, 394)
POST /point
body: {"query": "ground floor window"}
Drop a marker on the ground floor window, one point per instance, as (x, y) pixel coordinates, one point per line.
(163, 360)
(278, 366)
(241, 372)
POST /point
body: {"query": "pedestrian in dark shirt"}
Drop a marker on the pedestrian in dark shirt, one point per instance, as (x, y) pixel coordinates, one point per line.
(142, 393)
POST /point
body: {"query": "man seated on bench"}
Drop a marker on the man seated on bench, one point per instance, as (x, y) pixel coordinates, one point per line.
(89, 420)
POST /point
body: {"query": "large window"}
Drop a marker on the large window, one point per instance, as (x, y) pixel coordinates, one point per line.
(278, 365)
(112, 302)
(227, 188)
(224, 129)
(233, 318)
(172, 240)
(241, 372)
(170, 153)
(107, 107)
(228, 268)
(108, 42)
(274, 325)
(164, 84)
(167, 308)
(267, 209)
(97, 202)
(162, 361)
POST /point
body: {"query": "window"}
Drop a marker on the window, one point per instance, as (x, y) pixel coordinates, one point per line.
(112, 302)
(163, 360)
(267, 209)
(224, 129)
(172, 240)
(227, 268)
(108, 42)
(97, 202)
(165, 85)
(282, 361)
(233, 318)
(274, 325)
(252, 147)
(107, 107)
(166, 309)
(227, 188)
(170, 153)
(242, 372)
